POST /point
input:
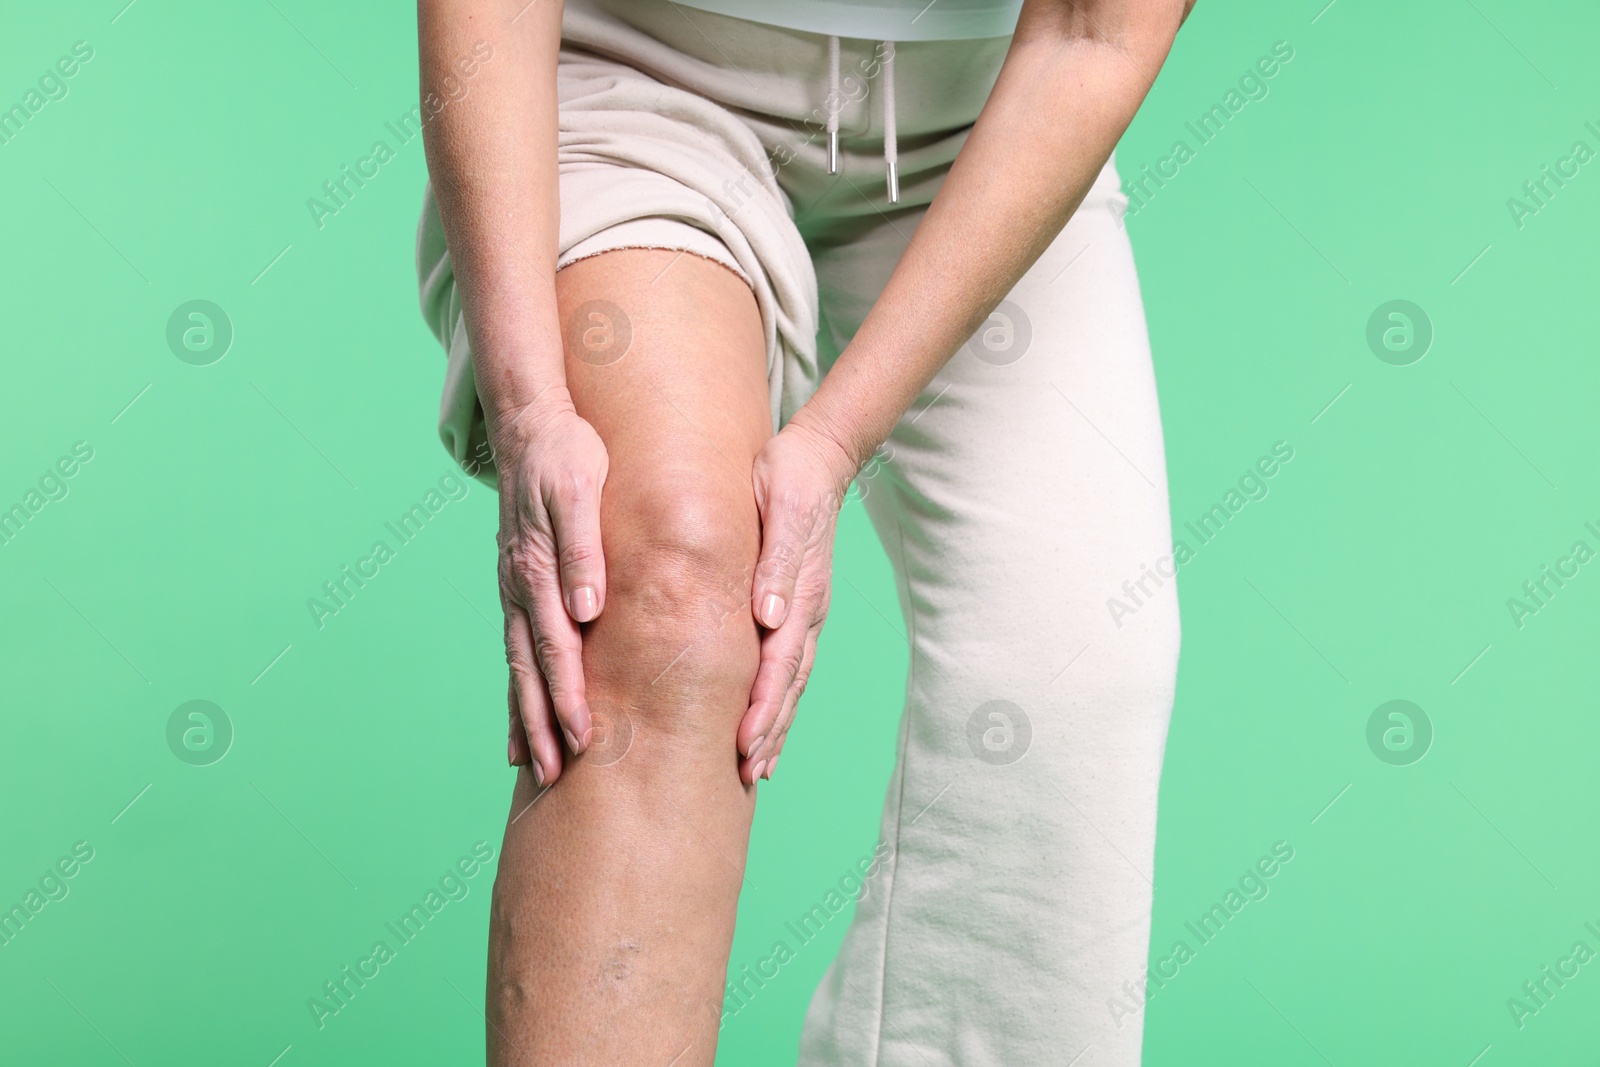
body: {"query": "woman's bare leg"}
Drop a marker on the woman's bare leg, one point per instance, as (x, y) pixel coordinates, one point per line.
(614, 904)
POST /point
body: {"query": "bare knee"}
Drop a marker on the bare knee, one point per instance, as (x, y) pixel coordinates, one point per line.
(676, 644)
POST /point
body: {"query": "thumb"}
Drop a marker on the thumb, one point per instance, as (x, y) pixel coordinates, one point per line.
(785, 532)
(575, 521)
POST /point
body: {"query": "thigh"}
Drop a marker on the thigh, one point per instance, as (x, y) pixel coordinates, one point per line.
(666, 359)
(645, 166)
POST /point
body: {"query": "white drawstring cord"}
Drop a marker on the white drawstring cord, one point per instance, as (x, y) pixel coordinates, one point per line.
(834, 105)
(891, 147)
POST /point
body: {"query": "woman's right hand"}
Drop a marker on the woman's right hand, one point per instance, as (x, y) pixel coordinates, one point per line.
(552, 466)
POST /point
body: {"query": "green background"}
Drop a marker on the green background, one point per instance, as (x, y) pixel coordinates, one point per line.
(368, 756)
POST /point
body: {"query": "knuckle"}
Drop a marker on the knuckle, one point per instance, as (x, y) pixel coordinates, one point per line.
(521, 561)
(790, 501)
(509, 598)
(814, 589)
(577, 554)
(790, 663)
(819, 612)
(572, 488)
(552, 657)
(782, 563)
(517, 659)
(582, 478)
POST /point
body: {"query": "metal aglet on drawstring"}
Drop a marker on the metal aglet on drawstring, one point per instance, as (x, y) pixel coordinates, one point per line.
(891, 147)
(835, 104)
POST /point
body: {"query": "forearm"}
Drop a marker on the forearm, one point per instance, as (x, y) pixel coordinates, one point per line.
(1070, 84)
(492, 161)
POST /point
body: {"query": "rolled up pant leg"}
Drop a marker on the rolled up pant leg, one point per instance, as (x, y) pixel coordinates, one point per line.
(1019, 494)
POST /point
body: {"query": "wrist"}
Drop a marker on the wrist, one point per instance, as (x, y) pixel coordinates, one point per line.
(834, 449)
(512, 422)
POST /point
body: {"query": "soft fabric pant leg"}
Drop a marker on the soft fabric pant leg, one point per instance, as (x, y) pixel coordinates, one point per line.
(1014, 499)
(1017, 496)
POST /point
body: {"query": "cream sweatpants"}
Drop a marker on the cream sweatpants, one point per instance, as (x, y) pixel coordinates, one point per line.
(1020, 492)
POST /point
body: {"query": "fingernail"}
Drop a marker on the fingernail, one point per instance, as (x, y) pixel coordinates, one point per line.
(774, 768)
(572, 741)
(585, 604)
(755, 746)
(772, 611)
(758, 769)
(511, 752)
(538, 774)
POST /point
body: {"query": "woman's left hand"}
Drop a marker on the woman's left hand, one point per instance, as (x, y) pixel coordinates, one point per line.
(800, 476)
